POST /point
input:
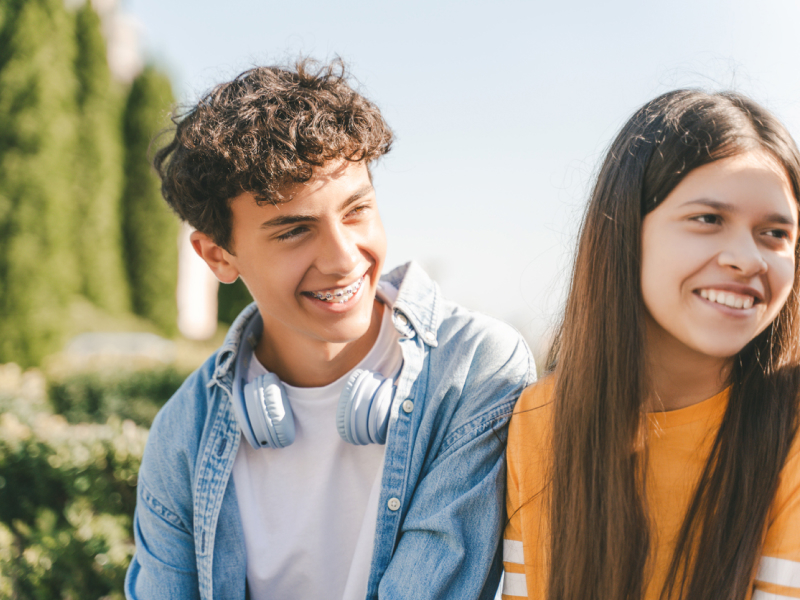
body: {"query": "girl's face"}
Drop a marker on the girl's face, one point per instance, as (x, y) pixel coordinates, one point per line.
(718, 257)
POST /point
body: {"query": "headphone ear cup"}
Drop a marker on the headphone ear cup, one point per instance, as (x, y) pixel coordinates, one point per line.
(345, 407)
(362, 416)
(379, 411)
(269, 411)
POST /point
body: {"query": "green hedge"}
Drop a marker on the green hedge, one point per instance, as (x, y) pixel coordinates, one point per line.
(97, 396)
(67, 494)
(68, 488)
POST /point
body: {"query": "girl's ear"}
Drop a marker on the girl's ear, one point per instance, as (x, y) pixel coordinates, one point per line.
(219, 260)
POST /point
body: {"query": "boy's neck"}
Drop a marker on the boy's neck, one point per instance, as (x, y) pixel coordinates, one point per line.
(304, 363)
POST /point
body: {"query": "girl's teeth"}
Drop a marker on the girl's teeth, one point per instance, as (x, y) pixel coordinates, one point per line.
(732, 300)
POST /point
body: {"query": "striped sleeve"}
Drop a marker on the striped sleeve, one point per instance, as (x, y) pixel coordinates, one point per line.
(526, 535)
(778, 574)
(514, 582)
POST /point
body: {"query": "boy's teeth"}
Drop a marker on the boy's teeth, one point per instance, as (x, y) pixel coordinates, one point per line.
(340, 295)
(728, 299)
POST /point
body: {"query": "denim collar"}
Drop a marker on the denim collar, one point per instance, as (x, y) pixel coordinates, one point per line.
(418, 305)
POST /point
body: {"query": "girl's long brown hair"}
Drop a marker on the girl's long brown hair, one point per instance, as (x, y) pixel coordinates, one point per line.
(600, 542)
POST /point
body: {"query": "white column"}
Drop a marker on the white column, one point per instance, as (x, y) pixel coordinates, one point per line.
(197, 291)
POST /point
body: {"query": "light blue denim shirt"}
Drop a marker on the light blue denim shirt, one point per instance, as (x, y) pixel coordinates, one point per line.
(441, 508)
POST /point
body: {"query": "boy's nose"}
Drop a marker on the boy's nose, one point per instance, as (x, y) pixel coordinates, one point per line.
(339, 254)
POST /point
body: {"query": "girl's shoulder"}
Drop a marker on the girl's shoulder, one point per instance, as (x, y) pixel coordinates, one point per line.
(536, 396)
(531, 419)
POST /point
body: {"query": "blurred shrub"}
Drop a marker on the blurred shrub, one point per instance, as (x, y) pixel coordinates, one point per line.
(67, 494)
(97, 396)
(231, 300)
(68, 491)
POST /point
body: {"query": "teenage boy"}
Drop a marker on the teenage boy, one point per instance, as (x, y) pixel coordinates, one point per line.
(278, 470)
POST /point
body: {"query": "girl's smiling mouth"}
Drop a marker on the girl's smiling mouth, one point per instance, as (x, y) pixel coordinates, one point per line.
(731, 299)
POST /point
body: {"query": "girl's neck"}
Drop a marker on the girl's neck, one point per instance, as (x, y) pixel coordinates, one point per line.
(680, 377)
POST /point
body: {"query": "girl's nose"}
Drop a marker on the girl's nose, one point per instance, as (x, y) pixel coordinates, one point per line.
(743, 255)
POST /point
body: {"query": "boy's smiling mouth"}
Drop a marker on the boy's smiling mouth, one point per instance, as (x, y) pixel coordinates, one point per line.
(338, 295)
(728, 298)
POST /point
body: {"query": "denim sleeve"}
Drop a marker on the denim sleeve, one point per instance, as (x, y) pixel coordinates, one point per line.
(164, 565)
(449, 543)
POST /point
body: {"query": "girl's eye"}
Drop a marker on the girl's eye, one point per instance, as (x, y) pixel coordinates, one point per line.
(710, 219)
(781, 234)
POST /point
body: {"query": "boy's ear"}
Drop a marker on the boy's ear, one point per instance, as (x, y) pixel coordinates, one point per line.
(217, 258)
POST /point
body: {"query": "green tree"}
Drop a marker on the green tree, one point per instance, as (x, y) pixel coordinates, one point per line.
(98, 170)
(37, 138)
(150, 230)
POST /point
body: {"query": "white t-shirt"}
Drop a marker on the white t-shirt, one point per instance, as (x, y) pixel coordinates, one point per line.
(309, 510)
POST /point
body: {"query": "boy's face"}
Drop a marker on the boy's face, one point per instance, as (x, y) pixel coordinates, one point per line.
(312, 263)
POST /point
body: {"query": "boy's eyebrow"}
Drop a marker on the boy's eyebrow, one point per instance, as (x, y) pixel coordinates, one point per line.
(724, 206)
(283, 220)
(357, 195)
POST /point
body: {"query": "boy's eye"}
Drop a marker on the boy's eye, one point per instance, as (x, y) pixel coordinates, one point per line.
(293, 233)
(357, 210)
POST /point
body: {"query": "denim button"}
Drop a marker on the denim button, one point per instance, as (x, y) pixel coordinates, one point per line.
(430, 336)
(408, 406)
(393, 504)
(402, 318)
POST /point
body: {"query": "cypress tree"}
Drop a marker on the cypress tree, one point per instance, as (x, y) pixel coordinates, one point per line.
(150, 230)
(98, 170)
(37, 139)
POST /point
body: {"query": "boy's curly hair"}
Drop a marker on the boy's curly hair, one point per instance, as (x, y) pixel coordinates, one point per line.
(266, 129)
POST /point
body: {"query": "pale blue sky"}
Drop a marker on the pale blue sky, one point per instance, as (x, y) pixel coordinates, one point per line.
(502, 110)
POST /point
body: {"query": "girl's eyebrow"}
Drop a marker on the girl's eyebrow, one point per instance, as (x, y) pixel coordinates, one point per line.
(780, 218)
(723, 206)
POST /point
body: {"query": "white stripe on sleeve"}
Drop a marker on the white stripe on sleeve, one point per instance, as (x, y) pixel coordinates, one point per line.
(762, 595)
(514, 584)
(513, 552)
(779, 571)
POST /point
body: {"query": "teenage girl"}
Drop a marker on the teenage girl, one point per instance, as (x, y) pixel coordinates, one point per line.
(659, 459)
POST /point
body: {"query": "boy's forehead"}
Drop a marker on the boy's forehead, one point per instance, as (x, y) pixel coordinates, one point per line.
(334, 182)
(339, 174)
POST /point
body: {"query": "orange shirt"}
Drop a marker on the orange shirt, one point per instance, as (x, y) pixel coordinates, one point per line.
(678, 446)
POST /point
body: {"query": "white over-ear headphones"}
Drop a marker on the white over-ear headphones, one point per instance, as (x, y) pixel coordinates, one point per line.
(265, 415)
